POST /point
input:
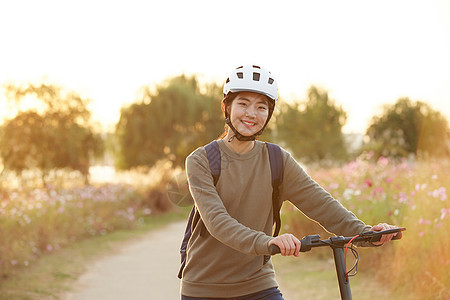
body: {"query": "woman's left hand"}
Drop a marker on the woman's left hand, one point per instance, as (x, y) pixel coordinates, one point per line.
(385, 237)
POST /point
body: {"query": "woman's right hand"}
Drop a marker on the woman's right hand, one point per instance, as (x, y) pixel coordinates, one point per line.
(288, 244)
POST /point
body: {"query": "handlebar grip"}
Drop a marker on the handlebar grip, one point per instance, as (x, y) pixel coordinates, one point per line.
(377, 237)
(305, 245)
(274, 249)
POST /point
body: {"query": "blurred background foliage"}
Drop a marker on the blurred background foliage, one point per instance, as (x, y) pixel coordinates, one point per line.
(55, 132)
(168, 123)
(407, 128)
(312, 130)
(170, 120)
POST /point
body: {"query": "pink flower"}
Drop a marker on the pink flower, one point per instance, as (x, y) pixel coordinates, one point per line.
(377, 190)
(368, 182)
(334, 186)
(421, 234)
(383, 161)
(440, 193)
(422, 221)
(421, 186)
(403, 198)
(438, 225)
(389, 180)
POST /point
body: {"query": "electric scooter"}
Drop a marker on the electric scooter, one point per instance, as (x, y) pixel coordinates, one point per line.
(340, 245)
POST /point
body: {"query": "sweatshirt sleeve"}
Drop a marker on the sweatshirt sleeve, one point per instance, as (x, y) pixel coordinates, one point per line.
(316, 203)
(213, 213)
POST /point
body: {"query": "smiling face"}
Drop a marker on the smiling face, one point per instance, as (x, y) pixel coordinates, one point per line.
(248, 112)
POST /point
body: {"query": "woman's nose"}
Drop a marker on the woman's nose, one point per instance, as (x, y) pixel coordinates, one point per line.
(250, 112)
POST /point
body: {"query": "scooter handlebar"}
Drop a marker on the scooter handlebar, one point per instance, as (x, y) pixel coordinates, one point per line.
(311, 241)
(274, 249)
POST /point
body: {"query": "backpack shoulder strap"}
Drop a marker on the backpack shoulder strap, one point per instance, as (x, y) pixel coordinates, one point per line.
(276, 162)
(213, 153)
(187, 235)
(214, 159)
(276, 168)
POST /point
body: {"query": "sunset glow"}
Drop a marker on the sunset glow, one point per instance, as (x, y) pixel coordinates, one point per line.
(363, 53)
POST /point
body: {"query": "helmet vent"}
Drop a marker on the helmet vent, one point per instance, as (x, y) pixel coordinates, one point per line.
(256, 76)
(270, 81)
(228, 80)
(239, 67)
(256, 67)
(240, 75)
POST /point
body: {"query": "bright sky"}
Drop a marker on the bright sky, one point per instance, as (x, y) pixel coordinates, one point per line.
(364, 53)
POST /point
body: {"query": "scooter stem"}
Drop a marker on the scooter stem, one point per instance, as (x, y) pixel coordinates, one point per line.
(344, 283)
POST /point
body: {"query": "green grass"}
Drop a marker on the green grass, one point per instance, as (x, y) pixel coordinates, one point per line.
(52, 275)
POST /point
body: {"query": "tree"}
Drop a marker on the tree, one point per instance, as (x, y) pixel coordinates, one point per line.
(54, 134)
(313, 130)
(409, 128)
(168, 123)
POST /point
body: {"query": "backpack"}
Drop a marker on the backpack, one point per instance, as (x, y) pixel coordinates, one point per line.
(214, 159)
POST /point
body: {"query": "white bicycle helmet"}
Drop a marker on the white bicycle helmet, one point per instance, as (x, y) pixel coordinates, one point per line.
(251, 78)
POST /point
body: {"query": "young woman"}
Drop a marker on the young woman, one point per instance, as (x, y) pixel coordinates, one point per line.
(226, 260)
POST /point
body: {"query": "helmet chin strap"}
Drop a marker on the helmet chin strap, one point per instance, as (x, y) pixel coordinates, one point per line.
(239, 136)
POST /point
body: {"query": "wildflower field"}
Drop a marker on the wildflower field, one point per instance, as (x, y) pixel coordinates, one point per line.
(411, 194)
(39, 221)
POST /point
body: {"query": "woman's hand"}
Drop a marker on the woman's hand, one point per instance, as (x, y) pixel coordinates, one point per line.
(288, 244)
(385, 237)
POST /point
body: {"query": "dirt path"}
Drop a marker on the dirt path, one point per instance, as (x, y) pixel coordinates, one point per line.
(144, 269)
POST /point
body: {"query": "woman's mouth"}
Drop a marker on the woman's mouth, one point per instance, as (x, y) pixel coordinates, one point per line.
(248, 123)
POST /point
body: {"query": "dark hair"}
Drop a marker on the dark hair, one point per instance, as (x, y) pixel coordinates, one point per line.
(226, 102)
